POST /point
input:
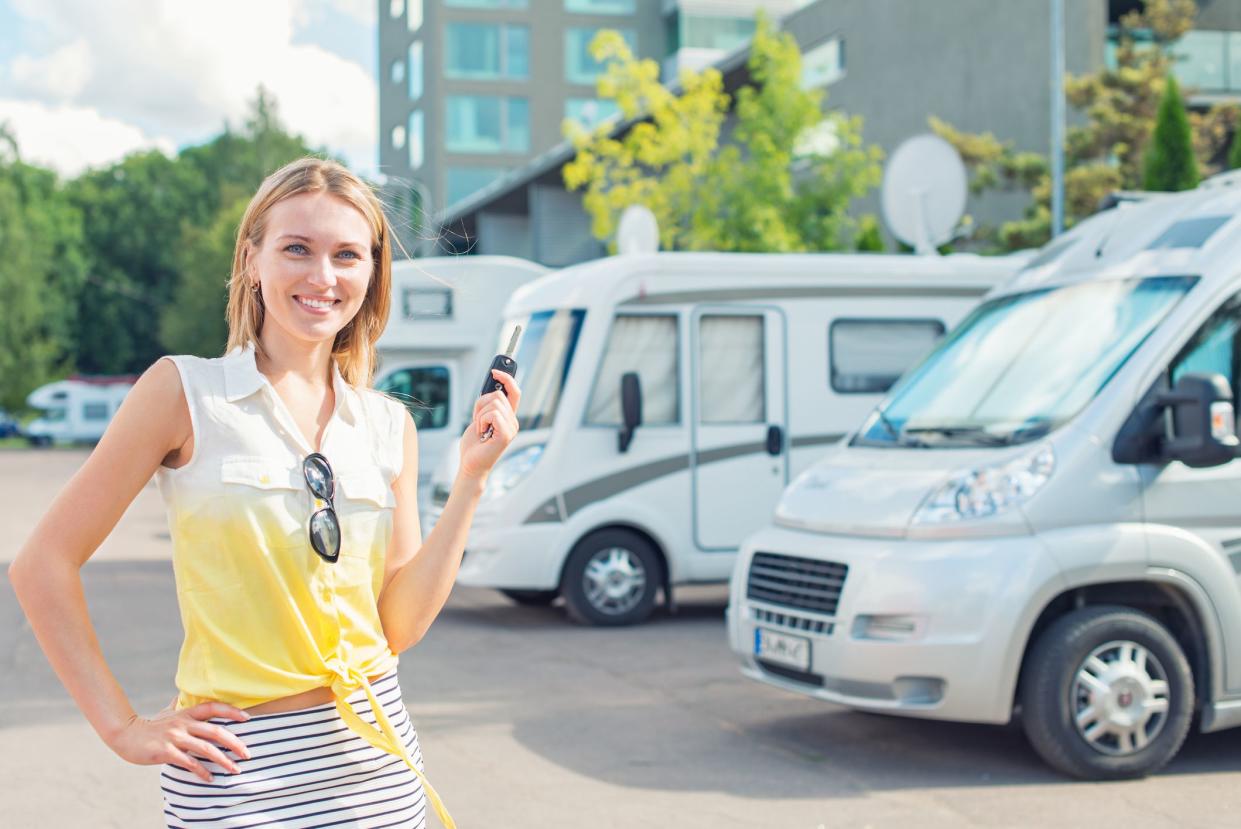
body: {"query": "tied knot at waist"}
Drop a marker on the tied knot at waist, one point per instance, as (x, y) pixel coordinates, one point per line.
(345, 681)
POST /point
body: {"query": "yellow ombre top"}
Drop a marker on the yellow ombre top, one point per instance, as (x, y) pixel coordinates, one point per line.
(264, 616)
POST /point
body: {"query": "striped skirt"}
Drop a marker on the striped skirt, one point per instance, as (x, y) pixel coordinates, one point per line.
(306, 769)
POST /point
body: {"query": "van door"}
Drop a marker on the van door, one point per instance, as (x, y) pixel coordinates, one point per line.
(739, 439)
(1203, 501)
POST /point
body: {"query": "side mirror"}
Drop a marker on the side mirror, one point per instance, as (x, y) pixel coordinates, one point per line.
(631, 408)
(1203, 421)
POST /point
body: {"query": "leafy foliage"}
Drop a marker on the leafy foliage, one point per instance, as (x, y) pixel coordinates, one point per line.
(785, 184)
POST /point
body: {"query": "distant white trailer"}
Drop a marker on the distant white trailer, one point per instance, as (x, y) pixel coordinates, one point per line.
(77, 409)
(440, 339)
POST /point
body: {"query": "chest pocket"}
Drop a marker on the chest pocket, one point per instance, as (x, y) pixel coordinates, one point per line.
(268, 496)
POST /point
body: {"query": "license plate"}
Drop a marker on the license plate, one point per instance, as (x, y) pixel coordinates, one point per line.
(793, 651)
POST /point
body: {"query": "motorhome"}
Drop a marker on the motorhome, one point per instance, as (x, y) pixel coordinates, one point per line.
(77, 409)
(432, 355)
(1043, 517)
(667, 398)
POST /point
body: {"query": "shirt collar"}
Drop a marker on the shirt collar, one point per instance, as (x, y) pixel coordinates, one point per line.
(242, 378)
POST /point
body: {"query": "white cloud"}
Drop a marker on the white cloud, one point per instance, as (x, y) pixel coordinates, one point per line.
(179, 70)
(70, 139)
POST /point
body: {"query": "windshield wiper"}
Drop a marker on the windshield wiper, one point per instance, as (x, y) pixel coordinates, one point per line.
(976, 435)
(899, 437)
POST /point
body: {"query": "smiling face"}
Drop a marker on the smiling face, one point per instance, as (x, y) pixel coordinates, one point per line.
(313, 265)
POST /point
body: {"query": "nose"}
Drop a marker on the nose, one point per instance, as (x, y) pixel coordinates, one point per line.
(323, 274)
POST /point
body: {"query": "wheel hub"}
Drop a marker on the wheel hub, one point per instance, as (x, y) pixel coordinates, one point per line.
(1120, 698)
(614, 580)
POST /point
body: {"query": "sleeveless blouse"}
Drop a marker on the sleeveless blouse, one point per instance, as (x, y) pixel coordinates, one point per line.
(264, 616)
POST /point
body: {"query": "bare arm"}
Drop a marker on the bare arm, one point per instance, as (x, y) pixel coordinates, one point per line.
(420, 574)
(152, 422)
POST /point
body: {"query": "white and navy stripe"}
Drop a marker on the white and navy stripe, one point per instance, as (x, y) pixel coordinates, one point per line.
(306, 769)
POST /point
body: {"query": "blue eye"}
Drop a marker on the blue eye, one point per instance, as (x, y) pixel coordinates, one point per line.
(296, 245)
(352, 253)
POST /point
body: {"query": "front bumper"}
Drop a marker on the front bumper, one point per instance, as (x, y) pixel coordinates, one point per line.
(922, 628)
(516, 557)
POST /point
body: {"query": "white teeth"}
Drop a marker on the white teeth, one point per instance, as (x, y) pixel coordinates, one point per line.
(316, 303)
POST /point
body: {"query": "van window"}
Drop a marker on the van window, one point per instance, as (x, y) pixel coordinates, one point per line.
(647, 344)
(731, 381)
(94, 411)
(1020, 365)
(868, 356)
(544, 355)
(425, 392)
(1214, 347)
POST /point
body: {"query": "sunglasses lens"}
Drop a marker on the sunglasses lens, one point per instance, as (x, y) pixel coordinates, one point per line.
(325, 534)
(318, 477)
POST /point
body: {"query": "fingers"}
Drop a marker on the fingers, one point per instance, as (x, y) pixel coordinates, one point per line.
(182, 760)
(206, 750)
(207, 710)
(511, 389)
(221, 735)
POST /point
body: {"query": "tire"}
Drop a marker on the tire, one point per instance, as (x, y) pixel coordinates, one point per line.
(1062, 683)
(532, 598)
(611, 578)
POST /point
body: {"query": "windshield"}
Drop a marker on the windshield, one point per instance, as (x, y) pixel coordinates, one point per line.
(1021, 365)
(548, 341)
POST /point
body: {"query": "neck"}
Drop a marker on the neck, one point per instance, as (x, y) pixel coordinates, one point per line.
(309, 363)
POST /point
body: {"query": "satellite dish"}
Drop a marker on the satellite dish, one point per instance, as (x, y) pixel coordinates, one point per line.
(923, 197)
(638, 231)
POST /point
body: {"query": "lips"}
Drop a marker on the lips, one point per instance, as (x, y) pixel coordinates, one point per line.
(316, 303)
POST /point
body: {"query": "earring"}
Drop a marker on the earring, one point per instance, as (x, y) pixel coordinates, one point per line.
(254, 286)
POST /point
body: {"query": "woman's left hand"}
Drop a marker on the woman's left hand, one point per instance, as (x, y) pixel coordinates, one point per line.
(498, 410)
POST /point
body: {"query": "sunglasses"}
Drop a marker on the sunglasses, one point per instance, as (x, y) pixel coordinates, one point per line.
(324, 524)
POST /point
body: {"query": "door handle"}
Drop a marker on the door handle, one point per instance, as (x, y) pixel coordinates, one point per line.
(775, 440)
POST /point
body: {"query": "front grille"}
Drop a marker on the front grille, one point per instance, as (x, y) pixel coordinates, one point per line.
(791, 621)
(800, 583)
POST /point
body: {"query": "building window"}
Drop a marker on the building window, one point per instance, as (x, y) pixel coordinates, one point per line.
(464, 181)
(415, 70)
(398, 137)
(415, 139)
(824, 64)
(580, 67)
(589, 112)
(721, 33)
(414, 20)
(486, 4)
(600, 6)
(486, 51)
(868, 356)
(397, 71)
(488, 124)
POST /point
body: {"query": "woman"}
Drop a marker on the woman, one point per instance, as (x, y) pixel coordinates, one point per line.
(301, 573)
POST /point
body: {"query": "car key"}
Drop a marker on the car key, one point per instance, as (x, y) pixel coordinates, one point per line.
(505, 363)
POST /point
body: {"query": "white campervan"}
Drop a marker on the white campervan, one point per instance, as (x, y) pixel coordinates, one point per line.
(667, 399)
(437, 345)
(77, 409)
(1044, 515)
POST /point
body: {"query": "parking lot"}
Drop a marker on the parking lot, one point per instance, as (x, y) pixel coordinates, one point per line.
(528, 721)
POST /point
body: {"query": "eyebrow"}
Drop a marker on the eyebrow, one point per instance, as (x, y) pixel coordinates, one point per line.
(301, 238)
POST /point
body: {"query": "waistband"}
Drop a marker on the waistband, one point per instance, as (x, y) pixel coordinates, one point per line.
(385, 737)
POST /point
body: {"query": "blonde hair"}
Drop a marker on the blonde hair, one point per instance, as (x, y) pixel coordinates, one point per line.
(354, 348)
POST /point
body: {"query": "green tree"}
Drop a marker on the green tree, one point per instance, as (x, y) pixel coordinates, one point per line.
(41, 274)
(194, 322)
(785, 185)
(1169, 162)
(1234, 150)
(1105, 152)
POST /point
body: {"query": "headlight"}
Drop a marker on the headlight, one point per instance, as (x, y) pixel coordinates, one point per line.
(988, 490)
(511, 470)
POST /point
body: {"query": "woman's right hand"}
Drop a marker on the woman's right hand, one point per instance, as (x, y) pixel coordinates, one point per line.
(170, 736)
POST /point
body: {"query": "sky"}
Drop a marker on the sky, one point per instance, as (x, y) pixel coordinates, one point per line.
(84, 82)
